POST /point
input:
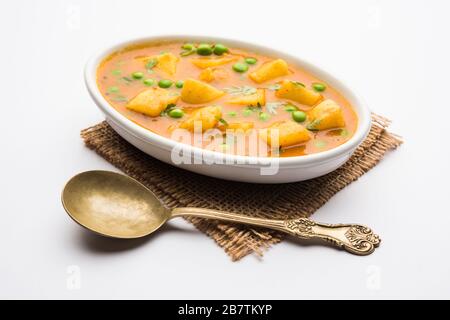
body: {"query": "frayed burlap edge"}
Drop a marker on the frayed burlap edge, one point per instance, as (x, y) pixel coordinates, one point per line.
(176, 187)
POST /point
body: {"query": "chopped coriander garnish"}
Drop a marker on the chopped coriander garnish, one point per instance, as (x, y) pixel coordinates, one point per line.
(116, 72)
(244, 90)
(312, 126)
(169, 107)
(255, 108)
(272, 107)
(127, 79)
(298, 83)
(119, 98)
(151, 63)
(232, 113)
(188, 52)
(274, 87)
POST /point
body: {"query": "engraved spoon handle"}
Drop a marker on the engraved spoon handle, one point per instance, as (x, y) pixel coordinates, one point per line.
(354, 238)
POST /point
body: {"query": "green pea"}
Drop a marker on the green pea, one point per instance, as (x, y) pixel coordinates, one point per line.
(165, 83)
(113, 89)
(204, 49)
(250, 60)
(176, 113)
(179, 84)
(246, 112)
(220, 49)
(319, 86)
(299, 116)
(188, 46)
(240, 67)
(137, 75)
(149, 82)
(290, 108)
(264, 116)
(232, 113)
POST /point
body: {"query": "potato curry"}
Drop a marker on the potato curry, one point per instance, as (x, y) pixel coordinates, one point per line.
(165, 86)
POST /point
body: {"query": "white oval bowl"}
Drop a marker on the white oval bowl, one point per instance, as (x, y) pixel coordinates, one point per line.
(227, 166)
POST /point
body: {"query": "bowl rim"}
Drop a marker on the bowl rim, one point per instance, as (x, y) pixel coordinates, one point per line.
(358, 104)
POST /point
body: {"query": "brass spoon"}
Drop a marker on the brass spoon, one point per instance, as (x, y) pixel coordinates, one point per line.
(118, 206)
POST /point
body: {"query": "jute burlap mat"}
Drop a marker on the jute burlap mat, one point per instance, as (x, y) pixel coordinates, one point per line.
(176, 187)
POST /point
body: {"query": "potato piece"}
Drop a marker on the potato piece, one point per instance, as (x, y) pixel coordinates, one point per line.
(270, 70)
(152, 101)
(326, 115)
(289, 133)
(195, 91)
(207, 116)
(297, 92)
(166, 62)
(220, 73)
(244, 126)
(207, 75)
(255, 99)
(211, 74)
(204, 63)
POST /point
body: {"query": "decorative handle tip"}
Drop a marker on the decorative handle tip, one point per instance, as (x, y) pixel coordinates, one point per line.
(354, 238)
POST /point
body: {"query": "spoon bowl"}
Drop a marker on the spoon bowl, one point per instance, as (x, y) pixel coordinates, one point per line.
(113, 205)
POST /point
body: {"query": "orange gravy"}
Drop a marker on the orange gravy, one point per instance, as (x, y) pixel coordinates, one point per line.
(118, 86)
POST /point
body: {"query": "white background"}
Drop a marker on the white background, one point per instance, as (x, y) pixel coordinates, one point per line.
(394, 53)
